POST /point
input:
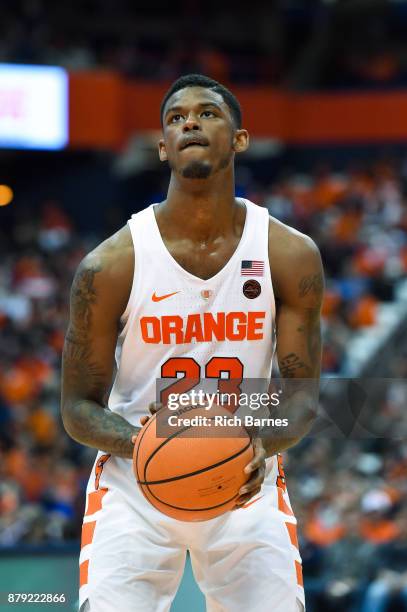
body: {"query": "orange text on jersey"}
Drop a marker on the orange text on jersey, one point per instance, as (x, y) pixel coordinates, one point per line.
(206, 327)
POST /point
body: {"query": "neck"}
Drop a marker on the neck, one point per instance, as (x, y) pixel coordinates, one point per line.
(200, 208)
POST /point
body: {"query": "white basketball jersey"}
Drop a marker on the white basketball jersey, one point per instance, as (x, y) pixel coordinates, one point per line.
(178, 325)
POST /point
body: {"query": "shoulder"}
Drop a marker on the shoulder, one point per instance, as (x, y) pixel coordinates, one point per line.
(113, 255)
(288, 243)
(294, 258)
(108, 269)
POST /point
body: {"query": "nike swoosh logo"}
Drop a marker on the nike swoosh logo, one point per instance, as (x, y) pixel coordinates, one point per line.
(252, 502)
(158, 298)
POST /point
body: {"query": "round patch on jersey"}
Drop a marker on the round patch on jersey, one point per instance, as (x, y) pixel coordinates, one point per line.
(251, 289)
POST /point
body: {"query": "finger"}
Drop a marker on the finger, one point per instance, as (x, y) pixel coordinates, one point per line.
(243, 499)
(155, 407)
(252, 484)
(144, 419)
(133, 439)
(253, 477)
(256, 477)
(256, 462)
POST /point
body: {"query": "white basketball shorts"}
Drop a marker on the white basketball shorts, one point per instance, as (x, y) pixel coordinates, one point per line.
(132, 556)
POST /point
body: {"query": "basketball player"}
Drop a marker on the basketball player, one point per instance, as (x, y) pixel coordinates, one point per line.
(131, 299)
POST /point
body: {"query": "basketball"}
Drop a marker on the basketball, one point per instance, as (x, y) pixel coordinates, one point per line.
(192, 474)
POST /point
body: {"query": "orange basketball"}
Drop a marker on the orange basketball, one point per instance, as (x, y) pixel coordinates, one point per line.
(192, 474)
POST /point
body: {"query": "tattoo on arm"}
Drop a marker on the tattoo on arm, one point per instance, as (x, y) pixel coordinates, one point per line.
(84, 294)
(100, 428)
(311, 283)
(307, 365)
(314, 342)
(88, 420)
(78, 363)
(290, 364)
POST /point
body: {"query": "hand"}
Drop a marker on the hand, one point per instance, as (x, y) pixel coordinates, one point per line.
(257, 468)
(153, 408)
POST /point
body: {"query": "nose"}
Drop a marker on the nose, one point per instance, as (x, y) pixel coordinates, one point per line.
(191, 123)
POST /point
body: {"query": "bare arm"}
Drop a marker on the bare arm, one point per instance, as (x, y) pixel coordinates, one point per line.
(298, 281)
(298, 286)
(99, 295)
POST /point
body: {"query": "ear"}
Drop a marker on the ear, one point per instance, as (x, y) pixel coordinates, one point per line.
(162, 153)
(240, 141)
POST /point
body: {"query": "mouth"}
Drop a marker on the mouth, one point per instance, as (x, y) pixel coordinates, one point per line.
(193, 143)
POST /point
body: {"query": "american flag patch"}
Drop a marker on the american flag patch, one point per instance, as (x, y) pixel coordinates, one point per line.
(252, 267)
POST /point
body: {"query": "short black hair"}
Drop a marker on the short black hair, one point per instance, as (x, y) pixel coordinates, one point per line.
(200, 80)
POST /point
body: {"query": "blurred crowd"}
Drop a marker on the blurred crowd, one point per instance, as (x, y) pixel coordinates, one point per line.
(350, 499)
(350, 495)
(292, 43)
(358, 219)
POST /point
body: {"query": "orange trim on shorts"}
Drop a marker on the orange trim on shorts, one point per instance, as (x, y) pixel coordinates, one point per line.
(87, 533)
(298, 569)
(83, 573)
(99, 468)
(282, 504)
(292, 532)
(95, 501)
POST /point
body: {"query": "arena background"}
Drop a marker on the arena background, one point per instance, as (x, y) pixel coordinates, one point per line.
(323, 90)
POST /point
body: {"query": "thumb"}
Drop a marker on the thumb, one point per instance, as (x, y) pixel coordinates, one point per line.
(155, 407)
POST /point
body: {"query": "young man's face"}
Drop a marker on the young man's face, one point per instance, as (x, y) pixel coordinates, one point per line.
(200, 137)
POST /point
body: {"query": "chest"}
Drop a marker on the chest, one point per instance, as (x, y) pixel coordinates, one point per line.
(202, 259)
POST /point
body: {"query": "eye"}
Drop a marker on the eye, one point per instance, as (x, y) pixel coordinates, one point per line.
(175, 118)
(208, 113)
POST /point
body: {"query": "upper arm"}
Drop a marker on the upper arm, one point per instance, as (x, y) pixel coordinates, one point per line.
(99, 294)
(298, 283)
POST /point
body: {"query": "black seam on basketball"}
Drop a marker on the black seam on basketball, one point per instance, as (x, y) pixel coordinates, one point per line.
(174, 435)
(209, 467)
(144, 431)
(155, 451)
